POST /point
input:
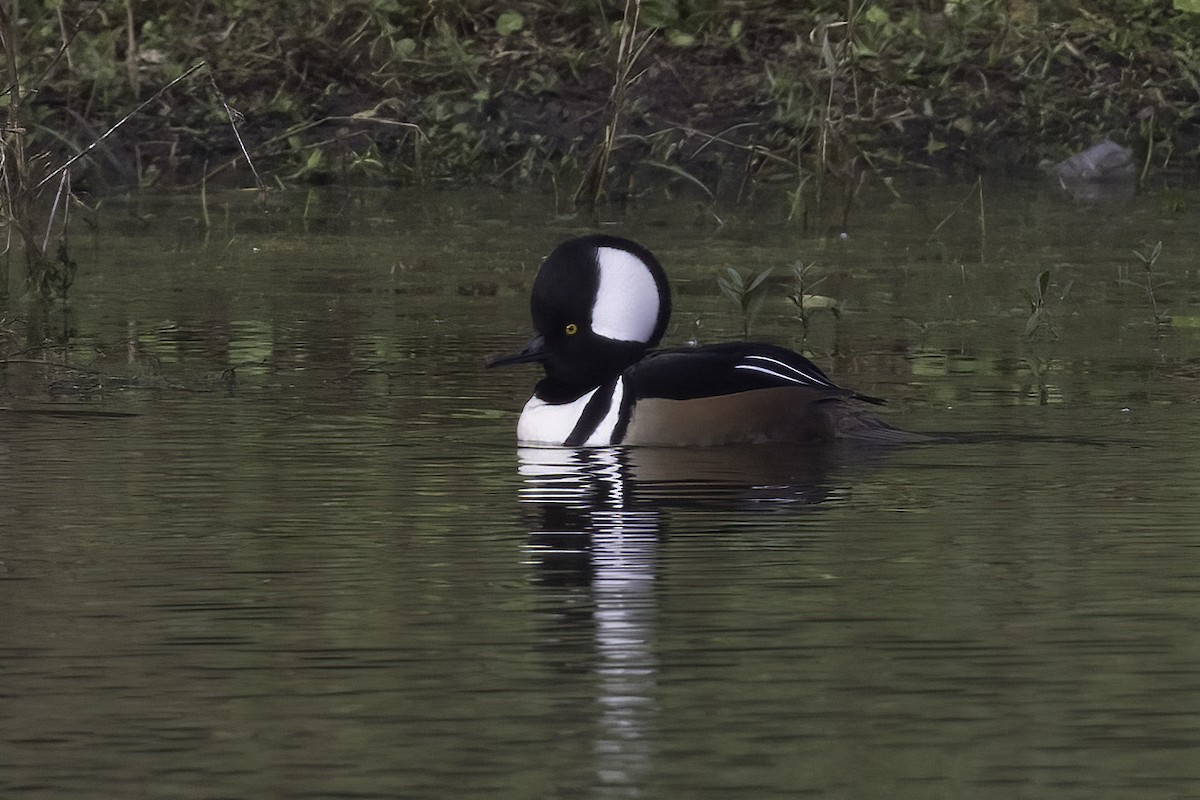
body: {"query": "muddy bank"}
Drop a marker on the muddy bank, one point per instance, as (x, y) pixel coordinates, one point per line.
(713, 94)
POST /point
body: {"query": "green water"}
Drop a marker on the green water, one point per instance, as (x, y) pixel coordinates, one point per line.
(314, 563)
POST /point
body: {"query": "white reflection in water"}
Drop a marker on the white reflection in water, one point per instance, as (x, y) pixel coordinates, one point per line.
(612, 548)
(597, 520)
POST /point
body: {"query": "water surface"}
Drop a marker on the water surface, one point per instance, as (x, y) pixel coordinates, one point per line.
(312, 561)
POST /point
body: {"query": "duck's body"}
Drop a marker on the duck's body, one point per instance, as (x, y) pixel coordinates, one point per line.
(599, 305)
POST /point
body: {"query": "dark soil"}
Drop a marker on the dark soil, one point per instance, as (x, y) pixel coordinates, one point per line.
(751, 90)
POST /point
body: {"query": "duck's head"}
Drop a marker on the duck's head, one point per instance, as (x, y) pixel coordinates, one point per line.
(599, 303)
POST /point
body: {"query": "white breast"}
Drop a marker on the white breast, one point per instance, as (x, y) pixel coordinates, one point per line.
(545, 424)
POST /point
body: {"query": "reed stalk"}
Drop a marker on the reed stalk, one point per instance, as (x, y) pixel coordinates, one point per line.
(15, 200)
(593, 185)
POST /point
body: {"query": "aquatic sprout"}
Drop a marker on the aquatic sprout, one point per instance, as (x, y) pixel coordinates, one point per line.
(805, 299)
(1040, 317)
(1149, 259)
(747, 295)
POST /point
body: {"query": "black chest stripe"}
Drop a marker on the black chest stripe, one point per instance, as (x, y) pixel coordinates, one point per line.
(593, 414)
(624, 413)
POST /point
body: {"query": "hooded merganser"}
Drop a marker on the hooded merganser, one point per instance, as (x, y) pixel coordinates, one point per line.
(599, 304)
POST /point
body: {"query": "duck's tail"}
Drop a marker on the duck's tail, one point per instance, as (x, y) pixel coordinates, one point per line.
(847, 422)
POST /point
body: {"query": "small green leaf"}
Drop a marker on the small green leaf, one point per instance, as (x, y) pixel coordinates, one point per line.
(681, 173)
(680, 38)
(827, 59)
(815, 301)
(1032, 323)
(1186, 321)
(731, 285)
(403, 49)
(759, 278)
(660, 13)
(1188, 6)
(510, 22)
(876, 15)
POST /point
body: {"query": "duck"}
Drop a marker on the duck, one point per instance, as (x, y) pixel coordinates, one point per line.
(600, 306)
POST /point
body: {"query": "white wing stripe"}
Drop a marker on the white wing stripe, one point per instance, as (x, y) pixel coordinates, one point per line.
(806, 377)
(772, 373)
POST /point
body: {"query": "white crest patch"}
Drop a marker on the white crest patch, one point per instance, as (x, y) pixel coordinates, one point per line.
(627, 299)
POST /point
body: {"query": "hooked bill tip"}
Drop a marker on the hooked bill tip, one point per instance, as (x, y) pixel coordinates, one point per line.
(533, 351)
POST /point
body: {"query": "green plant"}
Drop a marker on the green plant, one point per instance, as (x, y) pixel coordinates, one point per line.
(23, 173)
(1148, 260)
(746, 294)
(817, 94)
(803, 296)
(630, 45)
(1041, 312)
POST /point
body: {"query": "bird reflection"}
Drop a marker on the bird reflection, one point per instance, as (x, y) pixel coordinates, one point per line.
(597, 521)
(595, 514)
(595, 552)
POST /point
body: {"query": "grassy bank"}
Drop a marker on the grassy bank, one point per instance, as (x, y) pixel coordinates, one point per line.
(597, 96)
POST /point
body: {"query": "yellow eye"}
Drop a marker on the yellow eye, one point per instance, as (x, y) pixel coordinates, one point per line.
(572, 329)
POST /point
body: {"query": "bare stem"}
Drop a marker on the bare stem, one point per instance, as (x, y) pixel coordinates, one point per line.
(70, 161)
(234, 117)
(17, 200)
(627, 54)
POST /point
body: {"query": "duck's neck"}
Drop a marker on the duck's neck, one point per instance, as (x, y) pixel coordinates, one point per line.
(569, 379)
